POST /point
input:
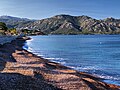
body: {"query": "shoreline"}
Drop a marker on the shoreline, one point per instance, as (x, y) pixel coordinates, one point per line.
(42, 73)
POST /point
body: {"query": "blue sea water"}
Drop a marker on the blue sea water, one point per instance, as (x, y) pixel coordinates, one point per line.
(95, 54)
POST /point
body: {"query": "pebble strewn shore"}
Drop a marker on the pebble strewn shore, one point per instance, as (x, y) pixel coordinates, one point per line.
(22, 70)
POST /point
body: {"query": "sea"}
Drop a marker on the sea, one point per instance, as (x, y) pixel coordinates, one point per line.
(98, 55)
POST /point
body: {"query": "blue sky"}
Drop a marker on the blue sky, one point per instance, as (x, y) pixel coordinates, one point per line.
(39, 9)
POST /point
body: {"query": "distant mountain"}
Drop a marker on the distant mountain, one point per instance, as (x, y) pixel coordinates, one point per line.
(14, 21)
(13, 18)
(66, 24)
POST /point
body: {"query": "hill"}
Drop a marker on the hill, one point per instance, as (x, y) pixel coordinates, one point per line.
(66, 24)
(13, 22)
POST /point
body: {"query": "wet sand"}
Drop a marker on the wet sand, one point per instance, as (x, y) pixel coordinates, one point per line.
(20, 69)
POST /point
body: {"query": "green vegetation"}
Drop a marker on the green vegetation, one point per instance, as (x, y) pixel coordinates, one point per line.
(13, 31)
(3, 28)
(31, 32)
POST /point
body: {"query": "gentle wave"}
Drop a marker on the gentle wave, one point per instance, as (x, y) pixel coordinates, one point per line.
(55, 58)
(58, 60)
(106, 77)
(87, 68)
(109, 79)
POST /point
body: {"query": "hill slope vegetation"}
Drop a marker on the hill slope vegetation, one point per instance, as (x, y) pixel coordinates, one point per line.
(66, 24)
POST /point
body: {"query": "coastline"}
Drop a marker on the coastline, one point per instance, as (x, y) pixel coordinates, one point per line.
(29, 71)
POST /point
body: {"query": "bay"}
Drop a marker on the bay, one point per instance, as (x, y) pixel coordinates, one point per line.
(95, 54)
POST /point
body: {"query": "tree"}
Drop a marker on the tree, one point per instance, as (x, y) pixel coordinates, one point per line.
(3, 26)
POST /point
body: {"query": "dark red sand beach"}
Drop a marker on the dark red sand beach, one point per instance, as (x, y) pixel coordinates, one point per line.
(22, 70)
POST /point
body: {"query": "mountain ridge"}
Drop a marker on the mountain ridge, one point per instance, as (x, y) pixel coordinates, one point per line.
(12, 21)
(67, 24)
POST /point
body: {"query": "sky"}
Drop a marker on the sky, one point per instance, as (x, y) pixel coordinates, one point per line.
(39, 9)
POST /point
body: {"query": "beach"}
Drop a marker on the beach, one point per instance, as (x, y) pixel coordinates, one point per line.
(20, 69)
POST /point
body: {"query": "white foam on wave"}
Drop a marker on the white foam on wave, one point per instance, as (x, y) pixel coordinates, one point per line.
(55, 58)
(40, 55)
(107, 77)
(86, 68)
(30, 49)
(110, 79)
(92, 69)
(49, 58)
(43, 56)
